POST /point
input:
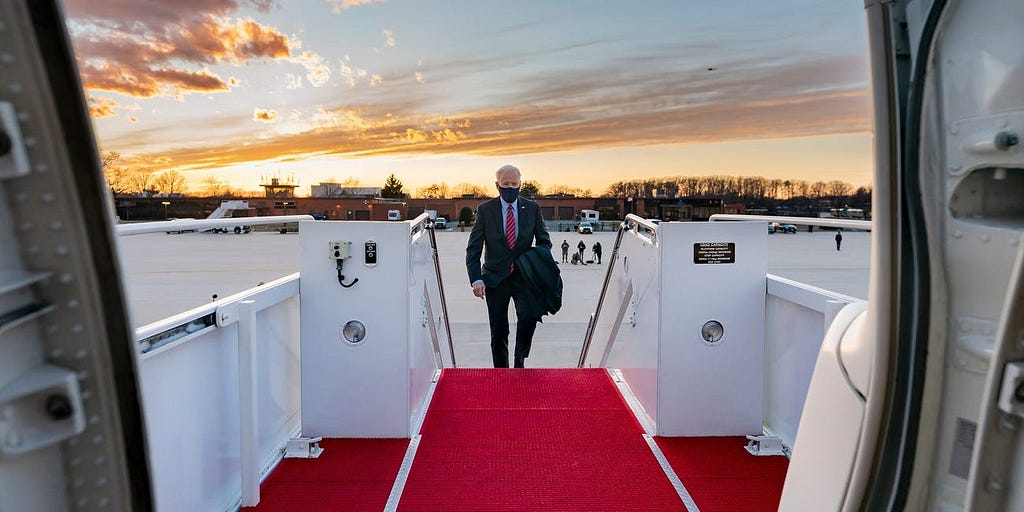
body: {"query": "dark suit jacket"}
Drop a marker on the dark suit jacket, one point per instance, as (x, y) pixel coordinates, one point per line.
(489, 232)
(542, 281)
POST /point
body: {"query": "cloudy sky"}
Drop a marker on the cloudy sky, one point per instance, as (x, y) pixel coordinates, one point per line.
(578, 93)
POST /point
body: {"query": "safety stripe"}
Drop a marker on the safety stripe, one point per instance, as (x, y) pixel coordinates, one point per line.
(403, 475)
(671, 474)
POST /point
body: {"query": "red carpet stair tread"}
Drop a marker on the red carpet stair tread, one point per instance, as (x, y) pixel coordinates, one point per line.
(722, 477)
(528, 440)
(351, 474)
(533, 440)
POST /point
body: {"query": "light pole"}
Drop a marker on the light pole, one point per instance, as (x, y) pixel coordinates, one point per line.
(166, 204)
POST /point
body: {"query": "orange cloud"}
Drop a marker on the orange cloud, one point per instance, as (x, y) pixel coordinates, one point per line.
(144, 82)
(264, 115)
(145, 59)
(123, 15)
(345, 120)
(413, 135)
(100, 107)
(447, 135)
(217, 40)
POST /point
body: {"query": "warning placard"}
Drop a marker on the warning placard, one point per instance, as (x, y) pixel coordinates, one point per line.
(713, 253)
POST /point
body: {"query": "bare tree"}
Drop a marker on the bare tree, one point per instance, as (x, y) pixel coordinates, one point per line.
(565, 190)
(818, 189)
(434, 191)
(170, 182)
(468, 189)
(803, 188)
(139, 180)
(787, 186)
(212, 186)
(114, 171)
(837, 189)
(624, 188)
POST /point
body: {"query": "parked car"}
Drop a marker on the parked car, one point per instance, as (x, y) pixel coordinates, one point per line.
(585, 228)
(776, 227)
(440, 223)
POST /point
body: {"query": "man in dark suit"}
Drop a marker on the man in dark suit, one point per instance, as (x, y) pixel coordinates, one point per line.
(506, 226)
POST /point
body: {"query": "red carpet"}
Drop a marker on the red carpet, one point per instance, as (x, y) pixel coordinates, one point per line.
(533, 440)
(721, 476)
(351, 474)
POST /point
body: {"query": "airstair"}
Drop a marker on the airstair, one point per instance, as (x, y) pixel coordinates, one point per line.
(689, 388)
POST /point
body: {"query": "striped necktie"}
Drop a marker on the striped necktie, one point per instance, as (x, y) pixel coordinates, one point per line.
(510, 232)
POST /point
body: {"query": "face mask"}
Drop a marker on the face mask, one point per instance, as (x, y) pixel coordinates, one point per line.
(509, 194)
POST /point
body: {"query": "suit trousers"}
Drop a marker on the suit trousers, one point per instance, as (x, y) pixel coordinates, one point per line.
(510, 288)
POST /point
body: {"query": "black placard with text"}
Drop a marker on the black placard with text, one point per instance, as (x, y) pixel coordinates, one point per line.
(714, 253)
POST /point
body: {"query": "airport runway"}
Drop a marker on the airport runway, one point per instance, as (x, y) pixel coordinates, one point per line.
(168, 274)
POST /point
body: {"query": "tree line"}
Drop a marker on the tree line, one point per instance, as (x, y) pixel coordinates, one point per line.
(125, 179)
(737, 188)
(529, 188)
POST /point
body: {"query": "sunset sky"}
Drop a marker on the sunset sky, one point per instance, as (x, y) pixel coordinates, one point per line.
(580, 93)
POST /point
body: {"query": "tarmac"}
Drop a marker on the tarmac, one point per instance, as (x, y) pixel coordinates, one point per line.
(168, 274)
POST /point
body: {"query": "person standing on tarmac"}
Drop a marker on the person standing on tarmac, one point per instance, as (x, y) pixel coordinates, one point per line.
(839, 240)
(581, 247)
(565, 251)
(597, 252)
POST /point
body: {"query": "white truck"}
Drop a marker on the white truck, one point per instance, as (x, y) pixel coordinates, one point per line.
(394, 215)
(589, 216)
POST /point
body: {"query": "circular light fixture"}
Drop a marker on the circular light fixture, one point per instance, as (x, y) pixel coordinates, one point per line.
(712, 331)
(354, 331)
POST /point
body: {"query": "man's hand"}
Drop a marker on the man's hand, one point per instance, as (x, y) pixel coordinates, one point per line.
(478, 290)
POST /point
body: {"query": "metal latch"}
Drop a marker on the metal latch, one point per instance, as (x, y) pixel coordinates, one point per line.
(40, 408)
(1011, 393)
(13, 156)
(765, 445)
(303, 448)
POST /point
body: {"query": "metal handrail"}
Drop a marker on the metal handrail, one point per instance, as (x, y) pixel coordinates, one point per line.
(803, 221)
(634, 221)
(638, 220)
(604, 287)
(175, 328)
(138, 228)
(416, 225)
(440, 289)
